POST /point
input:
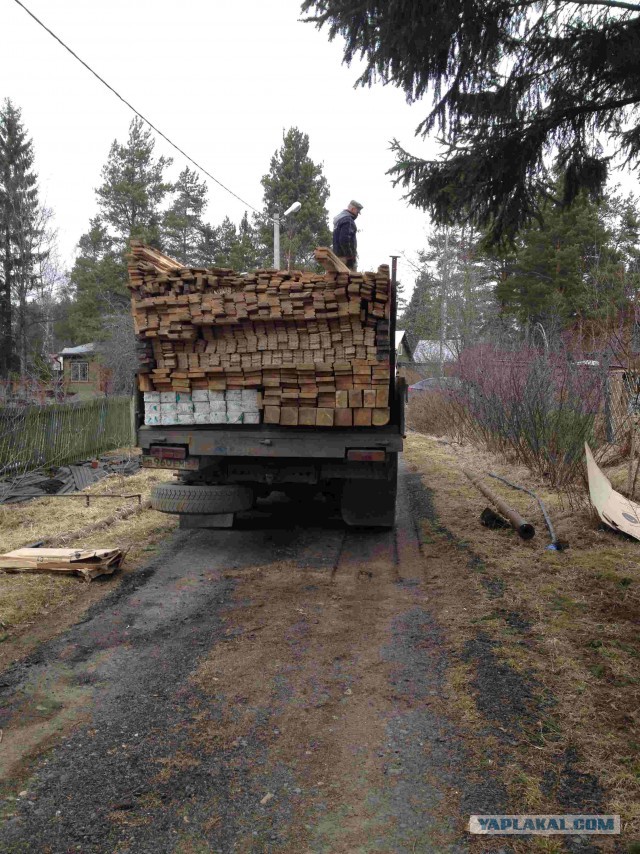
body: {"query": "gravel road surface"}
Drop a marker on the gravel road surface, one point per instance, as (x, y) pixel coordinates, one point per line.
(279, 687)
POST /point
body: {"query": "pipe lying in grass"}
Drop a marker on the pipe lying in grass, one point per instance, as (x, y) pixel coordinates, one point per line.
(555, 545)
(521, 526)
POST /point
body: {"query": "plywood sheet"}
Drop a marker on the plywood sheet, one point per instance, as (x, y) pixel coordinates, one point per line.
(614, 509)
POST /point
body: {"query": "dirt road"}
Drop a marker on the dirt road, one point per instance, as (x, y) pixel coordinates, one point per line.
(282, 687)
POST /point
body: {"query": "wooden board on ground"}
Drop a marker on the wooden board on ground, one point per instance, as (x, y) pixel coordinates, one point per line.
(86, 562)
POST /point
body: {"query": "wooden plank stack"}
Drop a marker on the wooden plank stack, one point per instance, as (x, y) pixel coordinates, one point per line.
(316, 347)
(86, 562)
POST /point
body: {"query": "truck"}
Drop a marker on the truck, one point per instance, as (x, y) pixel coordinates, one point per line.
(223, 469)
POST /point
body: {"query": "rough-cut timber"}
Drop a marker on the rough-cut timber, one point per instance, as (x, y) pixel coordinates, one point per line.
(329, 260)
(309, 344)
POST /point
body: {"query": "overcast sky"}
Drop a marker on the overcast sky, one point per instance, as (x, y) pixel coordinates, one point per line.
(223, 80)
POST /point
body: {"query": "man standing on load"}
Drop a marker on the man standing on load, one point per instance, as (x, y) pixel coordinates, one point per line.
(345, 244)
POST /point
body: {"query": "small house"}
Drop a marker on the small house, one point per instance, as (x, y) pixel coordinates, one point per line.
(430, 354)
(84, 374)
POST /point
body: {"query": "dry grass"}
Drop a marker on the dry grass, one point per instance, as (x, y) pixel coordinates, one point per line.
(27, 598)
(431, 412)
(583, 611)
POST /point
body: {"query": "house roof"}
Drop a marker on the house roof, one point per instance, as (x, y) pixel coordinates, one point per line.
(401, 338)
(80, 350)
(428, 350)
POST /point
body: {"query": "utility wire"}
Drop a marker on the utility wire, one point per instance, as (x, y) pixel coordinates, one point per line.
(133, 109)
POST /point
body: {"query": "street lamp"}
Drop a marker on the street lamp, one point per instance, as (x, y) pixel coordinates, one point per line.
(295, 207)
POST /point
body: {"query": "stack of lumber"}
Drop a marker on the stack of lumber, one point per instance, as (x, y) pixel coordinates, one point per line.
(202, 407)
(316, 347)
(86, 562)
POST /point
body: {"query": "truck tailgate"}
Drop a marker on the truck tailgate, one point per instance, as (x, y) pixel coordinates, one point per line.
(241, 441)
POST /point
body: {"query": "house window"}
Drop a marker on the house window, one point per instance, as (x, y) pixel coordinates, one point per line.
(79, 372)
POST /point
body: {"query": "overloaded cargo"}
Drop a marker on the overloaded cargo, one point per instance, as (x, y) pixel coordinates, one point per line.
(276, 347)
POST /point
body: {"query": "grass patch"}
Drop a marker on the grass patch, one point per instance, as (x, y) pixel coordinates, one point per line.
(578, 635)
(25, 598)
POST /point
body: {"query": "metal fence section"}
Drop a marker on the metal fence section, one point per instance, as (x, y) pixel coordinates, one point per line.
(34, 437)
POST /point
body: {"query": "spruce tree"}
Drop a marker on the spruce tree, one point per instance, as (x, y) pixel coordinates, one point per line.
(453, 295)
(577, 265)
(97, 283)
(182, 224)
(227, 235)
(208, 246)
(294, 177)
(21, 237)
(420, 318)
(244, 255)
(511, 84)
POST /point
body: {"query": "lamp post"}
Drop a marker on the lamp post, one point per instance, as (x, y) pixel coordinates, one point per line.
(295, 207)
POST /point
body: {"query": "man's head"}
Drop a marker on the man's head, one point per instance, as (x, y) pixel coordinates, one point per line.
(354, 208)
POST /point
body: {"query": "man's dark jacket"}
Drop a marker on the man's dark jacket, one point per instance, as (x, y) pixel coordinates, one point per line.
(345, 243)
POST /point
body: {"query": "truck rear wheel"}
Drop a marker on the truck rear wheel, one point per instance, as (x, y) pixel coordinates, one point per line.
(371, 503)
(191, 498)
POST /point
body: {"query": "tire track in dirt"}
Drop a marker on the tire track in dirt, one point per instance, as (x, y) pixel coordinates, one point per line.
(272, 689)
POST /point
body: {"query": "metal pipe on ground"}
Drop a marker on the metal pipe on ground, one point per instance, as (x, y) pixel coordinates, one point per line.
(554, 545)
(524, 529)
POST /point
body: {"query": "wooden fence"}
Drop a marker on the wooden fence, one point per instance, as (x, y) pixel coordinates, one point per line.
(57, 434)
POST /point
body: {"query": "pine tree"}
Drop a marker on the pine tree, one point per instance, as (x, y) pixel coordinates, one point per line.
(129, 198)
(513, 83)
(133, 188)
(294, 177)
(21, 238)
(182, 224)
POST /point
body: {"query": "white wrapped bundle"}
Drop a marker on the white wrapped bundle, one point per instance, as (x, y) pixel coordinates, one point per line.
(217, 406)
(168, 397)
(183, 397)
(216, 396)
(251, 417)
(218, 418)
(185, 407)
(168, 413)
(186, 417)
(234, 417)
(250, 399)
(151, 397)
(202, 417)
(152, 419)
(201, 407)
(200, 395)
(233, 396)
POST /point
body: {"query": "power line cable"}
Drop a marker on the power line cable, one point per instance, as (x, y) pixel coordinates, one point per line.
(133, 109)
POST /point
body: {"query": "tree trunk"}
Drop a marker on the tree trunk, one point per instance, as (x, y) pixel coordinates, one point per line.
(6, 338)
